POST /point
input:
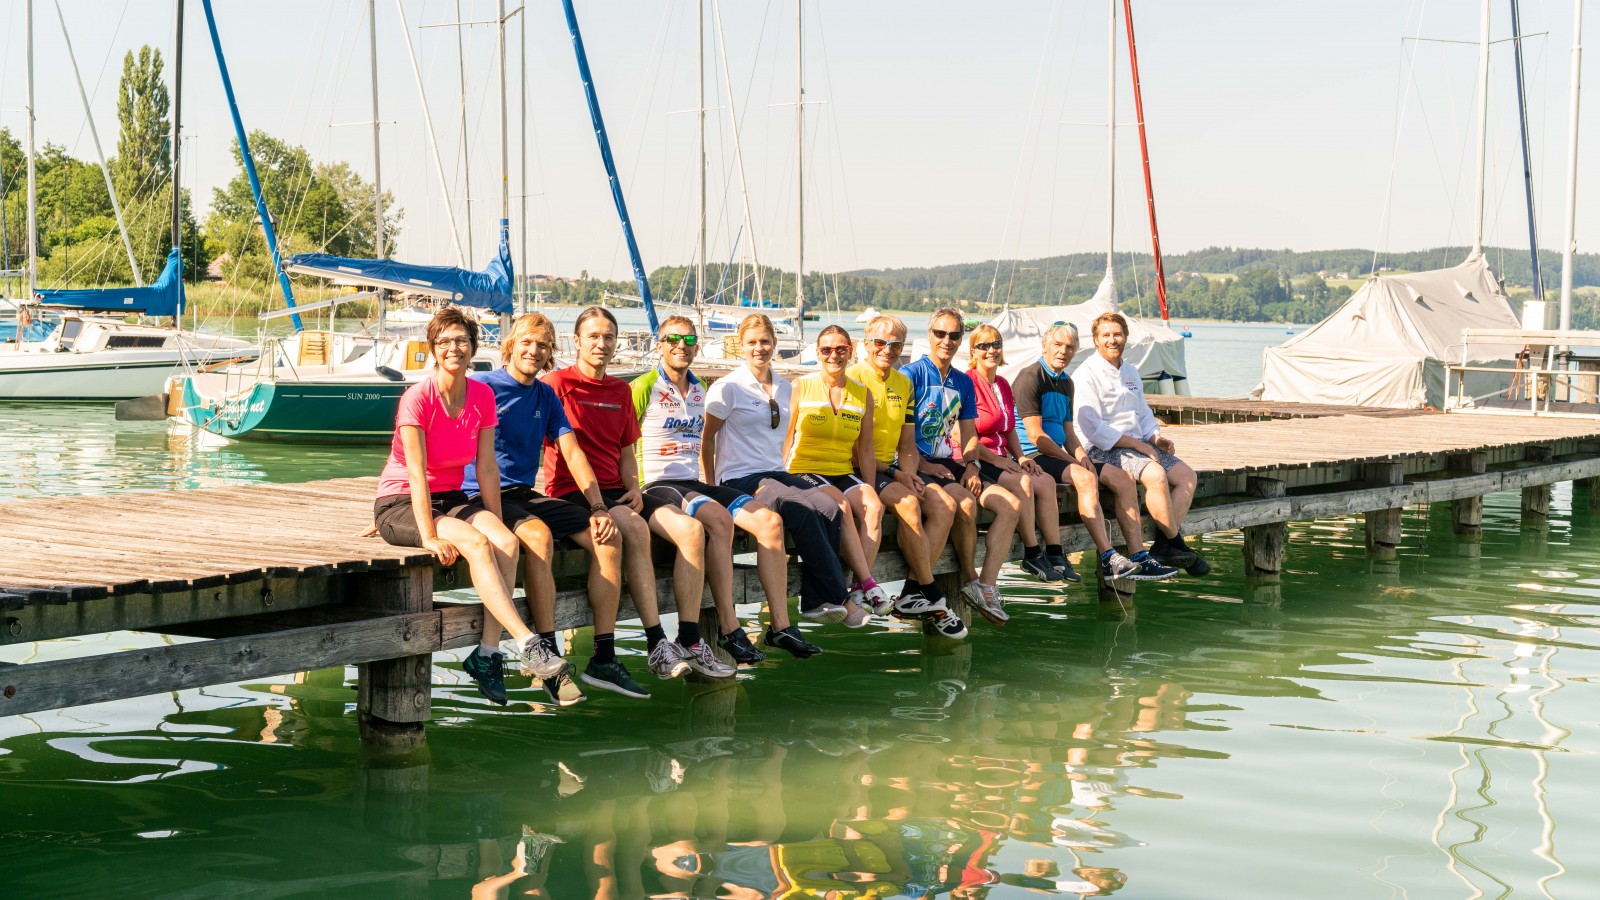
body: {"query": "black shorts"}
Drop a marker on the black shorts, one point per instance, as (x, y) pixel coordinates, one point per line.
(689, 495)
(611, 496)
(1055, 466)
(398, 525)
(845, 483)
(882, 482)
(519, 503)
(989, 472)
(955, 467)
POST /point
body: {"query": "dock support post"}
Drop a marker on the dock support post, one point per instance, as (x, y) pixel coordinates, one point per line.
(1383, 525)
(1264, 544)
(1466, 514)
(1536, 497)
(1589, 487)
(394, 698)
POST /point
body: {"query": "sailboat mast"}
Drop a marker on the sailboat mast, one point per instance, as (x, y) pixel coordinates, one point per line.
(100, 153)
(1144, 155)
(377, 156)
(466, 154)
(1527, 154)
(1111, 142)
(505, 123)
(799, 165)
(738, 153)
(433, 140)
(700, 112)
(522, 131)
(177, 133)
(1483, 126)
(33, 188)
(1569, 244)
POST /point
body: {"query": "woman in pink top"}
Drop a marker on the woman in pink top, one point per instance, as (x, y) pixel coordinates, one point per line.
(1001, 460)
(445, 422)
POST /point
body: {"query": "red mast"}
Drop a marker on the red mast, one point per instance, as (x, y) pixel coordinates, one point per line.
(1144, 155)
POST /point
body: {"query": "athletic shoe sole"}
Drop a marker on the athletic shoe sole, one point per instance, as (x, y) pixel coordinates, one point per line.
(828, 614)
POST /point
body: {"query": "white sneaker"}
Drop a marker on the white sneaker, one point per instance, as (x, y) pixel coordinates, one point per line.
(666, 661)
(993, 607)
(876, 600)
(916, 605)
(973, 591)
(857, 617)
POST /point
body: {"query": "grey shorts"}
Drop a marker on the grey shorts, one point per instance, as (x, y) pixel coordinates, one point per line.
(1130, 461)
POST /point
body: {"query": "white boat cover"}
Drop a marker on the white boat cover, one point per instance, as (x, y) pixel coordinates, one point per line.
(1388, 344)
(1153, 348)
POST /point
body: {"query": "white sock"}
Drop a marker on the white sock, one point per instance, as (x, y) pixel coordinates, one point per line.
(486, 649)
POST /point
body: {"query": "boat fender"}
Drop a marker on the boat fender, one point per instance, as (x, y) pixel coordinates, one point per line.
(390, 374)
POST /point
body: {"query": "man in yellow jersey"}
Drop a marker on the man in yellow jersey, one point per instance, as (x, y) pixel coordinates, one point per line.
(925, 511)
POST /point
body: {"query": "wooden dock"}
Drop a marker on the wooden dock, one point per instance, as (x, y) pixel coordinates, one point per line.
(276, 581)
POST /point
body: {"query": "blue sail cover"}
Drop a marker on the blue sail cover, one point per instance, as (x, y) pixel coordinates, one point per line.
(489, 289)
(163, 298)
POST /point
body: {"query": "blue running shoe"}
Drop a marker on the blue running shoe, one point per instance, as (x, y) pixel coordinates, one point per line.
(489, 672)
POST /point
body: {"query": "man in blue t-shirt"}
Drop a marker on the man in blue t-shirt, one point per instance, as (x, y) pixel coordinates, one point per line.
(946, 406)
(531, 418)
(1043, 394)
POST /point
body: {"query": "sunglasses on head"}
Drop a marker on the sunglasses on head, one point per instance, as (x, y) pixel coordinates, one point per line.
(894, 346)
(989, 345)
(1068, 324)
(688, 340)
(946, 335)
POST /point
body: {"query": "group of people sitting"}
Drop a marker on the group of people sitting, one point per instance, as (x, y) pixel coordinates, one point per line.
(819, 461)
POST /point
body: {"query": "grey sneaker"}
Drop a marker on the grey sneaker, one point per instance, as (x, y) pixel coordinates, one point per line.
(826, 613)
(536, 660)
(563, 690)
(973, 591)
(699, 658)
(858, 617)
(666, 661)
(992, 607)
(1117, 567)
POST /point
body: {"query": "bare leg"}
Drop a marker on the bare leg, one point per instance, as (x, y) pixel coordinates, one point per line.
(1182, 482)
(1048, 507)
(913, 541)
(939, 516)
(868, 511)
(1126, 494)
(718, 526)
(964, 534)
(772, 563)
(538, 580)
(1158, 498)
(1020, 487)
(689, 569)
(490, 551)
(605, 579)
(641, 571)
(997, 540)
(1087, 486)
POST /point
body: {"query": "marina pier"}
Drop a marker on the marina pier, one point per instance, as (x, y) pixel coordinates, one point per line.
(273, 578)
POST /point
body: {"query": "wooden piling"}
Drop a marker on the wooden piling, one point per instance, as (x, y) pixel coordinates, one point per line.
(1536, 497)
(1588, 488)
(394, 699)
(1383, 525)
(1264, 544)
(1466, 513)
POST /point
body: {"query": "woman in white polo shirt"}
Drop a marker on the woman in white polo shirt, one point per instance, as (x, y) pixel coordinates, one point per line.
(747, 418)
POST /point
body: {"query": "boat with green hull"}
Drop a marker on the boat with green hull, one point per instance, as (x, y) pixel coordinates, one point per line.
(305, 412)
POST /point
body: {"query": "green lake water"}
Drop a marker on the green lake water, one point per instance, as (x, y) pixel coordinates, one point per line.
(1419, 726)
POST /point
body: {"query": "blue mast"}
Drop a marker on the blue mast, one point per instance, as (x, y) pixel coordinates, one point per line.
(1527, 162)
(611, 167)
(250, 167)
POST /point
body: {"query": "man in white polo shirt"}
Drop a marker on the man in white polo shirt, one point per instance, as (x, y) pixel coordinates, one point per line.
(1113, 420)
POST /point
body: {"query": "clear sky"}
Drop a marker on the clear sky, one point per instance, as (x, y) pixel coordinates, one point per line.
(938, 132)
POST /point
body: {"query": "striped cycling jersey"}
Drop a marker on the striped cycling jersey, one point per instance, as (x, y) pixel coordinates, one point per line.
(671, 423)
(824, 437)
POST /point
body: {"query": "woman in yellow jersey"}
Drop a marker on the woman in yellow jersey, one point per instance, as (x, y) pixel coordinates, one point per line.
(829, 441)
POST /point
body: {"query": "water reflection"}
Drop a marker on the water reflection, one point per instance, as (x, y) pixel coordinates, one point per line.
(1409, 727)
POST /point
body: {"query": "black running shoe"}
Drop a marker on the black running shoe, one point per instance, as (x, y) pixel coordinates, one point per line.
(1199, 568)
(1040, 568)
(1060, 562)
(739, 647)
(489, 672)
(613, 676)
(789, 640)
(1173, 552)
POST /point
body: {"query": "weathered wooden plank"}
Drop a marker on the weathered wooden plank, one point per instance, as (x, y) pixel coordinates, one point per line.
(135, 673)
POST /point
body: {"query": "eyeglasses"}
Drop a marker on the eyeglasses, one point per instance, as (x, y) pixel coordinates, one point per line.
(835, 350)
(946, 335)
(774, 404)
(688, 340)
(453, 342)
(989, 345)
(894, 346)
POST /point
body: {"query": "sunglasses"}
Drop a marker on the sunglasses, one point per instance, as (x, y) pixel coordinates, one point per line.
(688, 340)
(989, 345)
(1068, 324)
(835, 350)
(894, 346)
(774, 404)
(946, 335)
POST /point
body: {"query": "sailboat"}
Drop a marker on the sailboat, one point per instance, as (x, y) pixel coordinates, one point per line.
(326, 386)
(91, 353)
(1153, 348)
